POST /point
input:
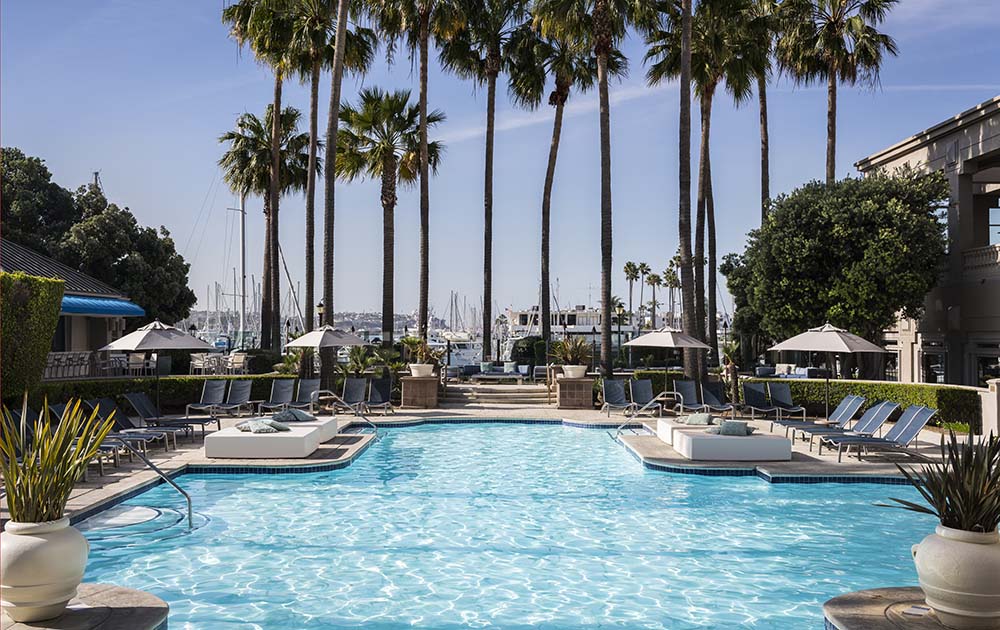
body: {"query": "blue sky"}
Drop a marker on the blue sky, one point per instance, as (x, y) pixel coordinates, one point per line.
(140, 91)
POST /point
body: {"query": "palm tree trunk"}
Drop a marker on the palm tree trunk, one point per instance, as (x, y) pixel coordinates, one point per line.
(606, 244)
(491, 98)
(550, 173)
(653, 307)
(311, 197)
(327, 355)
(388, 243)
(684, 186)
(265, 280)
(631, 313)
(831, 126)
(713, 333)
(275, 194)
(765, 161)
(425, 203)
(699, 229)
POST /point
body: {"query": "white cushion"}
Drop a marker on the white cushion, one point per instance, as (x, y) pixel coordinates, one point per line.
(232, 443)
(667, 429)
(751, 448)
(328, 426)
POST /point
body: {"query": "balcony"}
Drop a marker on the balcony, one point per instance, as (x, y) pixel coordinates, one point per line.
(982, 260)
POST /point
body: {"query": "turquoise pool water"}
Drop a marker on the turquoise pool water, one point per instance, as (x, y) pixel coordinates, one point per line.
(505, 526)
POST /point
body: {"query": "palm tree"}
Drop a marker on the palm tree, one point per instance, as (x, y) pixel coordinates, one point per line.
(644, 270)
(631, 275)
(834, 41)
(762, 23)
(722, 51)
(414, 22)
(603, 24)
(246, 167)
(654, 280)
(381, 139)
(312, 48)
(570, 65)
(691, 357)
(265, 26)
(671, 282)
(478, 52)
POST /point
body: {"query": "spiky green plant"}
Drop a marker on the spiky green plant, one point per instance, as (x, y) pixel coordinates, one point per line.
(572, 351)
(963, 490)
(41, 466)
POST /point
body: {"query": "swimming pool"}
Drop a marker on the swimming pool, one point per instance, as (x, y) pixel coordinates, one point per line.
(506, 526)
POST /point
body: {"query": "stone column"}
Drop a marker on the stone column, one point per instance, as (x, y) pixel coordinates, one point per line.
(575, 393)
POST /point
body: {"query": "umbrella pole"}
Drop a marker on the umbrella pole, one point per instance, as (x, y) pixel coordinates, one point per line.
(827, 395)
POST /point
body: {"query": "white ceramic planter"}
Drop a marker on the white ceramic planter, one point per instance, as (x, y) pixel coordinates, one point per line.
(959, 573)
(40, 568)
(575, 371)
(421, 369)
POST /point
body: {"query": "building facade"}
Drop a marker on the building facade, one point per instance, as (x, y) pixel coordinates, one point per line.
(958, 339)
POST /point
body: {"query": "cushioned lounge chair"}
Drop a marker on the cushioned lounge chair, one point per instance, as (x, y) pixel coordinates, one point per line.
(714, 399)
(613, 393)
(281, 394)
(354, 396)
(379, 396)
(687, 397)
(781, 397)
(212, 393)
(755, 399)
(643, 399)
(238, 400)
(128, 424)
(105, 407)
(870, 421)
(897, 438)
(152, 416)
(305, 398)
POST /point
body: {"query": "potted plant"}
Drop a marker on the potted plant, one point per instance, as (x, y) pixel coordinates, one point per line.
(423, 358)
(959, 564)
(574, 355)
(43, 557)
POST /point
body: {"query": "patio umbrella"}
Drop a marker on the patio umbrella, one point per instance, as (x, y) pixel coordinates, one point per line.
(326, 337)
(157, 336)
(828, 338)
(667, 337)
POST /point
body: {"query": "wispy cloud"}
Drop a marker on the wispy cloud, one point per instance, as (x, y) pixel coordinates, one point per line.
(921, 17)
(512, 119)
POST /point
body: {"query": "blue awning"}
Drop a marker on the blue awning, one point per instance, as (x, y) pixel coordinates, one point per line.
(114, 307)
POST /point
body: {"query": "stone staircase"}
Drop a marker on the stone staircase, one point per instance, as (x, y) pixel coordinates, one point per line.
(462, 394)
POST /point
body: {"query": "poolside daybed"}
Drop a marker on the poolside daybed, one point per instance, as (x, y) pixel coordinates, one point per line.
(301, 440)
(699, 445)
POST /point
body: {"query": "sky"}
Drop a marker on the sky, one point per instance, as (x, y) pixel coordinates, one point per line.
(140, 91)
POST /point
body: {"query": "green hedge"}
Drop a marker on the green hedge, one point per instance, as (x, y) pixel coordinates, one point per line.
(657, 376)
(29, 314)
(954, 404)
(175, 391)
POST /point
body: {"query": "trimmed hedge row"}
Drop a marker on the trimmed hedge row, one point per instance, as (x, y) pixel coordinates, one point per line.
(29, 313)
(954, 404)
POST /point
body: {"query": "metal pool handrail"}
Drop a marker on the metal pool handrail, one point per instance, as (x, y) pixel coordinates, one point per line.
(629, 416)
(162, 475)
(328, 394)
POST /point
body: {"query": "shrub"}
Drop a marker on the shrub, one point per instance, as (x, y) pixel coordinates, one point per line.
(263, 361)
(657, 376)
(954, 404)
(540, 353)
(29, 313)
(523, 351)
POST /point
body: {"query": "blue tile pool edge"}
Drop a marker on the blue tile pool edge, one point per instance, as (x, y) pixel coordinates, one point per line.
(222, 469)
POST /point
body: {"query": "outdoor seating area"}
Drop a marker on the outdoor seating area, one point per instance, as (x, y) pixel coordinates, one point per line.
(218, 363)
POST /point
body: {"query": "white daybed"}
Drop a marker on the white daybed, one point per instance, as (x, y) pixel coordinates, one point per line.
(301, 440)
(734, 448)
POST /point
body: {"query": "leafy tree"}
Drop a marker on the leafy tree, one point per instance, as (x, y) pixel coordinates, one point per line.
(381, 139)
(36, 211)
(857, 253)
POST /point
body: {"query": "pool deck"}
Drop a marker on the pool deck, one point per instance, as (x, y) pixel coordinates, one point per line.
(118, 484)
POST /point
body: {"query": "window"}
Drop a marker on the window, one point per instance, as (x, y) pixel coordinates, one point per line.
(933, 367)
(994, 226)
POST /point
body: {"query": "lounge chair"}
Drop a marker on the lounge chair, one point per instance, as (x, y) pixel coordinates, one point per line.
(237, 401)
(839, 419)
(781, 397)
(687, 397)
(379, 396)
(613, 393)
(306, 396)
(281, 395)
(106, 409)
(755, 399)
(212, 393)
(869, 422)
(354, 396)
(151, 415)
(643, 399)
(897, 438)
(106, 448)
(714, 399)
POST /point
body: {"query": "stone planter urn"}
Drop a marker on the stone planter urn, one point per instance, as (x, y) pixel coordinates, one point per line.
(959, 573)
(575, 371)
(421, 369)
(41, 566)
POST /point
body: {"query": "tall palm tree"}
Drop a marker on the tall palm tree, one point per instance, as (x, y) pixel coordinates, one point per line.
(722, 52)
(836, 41)
(246, 167)
(644, 270)
(478, 52)
(671, 282)
(631, 275)
(762, 22)
(265, 26)
(654, 280)
(414, 22)
(602, 23)
(312, 48)
(691, 357)
(570, 64)
(381, 139)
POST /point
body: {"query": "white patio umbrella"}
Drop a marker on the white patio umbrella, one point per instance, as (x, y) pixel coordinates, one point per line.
(326, 337)
(157, 336)
(828, 338)
(667, 337)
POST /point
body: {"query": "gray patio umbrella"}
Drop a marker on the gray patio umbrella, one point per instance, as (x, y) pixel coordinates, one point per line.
(828, 338)
(326, 337)
(667, 337)
(157, 336)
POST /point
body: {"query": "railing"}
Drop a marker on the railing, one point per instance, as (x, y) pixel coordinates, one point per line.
(981, 258)
(162, 476)
(674, 397)
(340, 401)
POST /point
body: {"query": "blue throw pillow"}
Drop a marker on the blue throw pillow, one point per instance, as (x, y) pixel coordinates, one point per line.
(713, 430)
(256, 426)
(699, 419)
(274, 424)
(735, 428)
(293, 415)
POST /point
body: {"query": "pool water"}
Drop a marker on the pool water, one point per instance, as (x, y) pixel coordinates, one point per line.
(505, 526)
